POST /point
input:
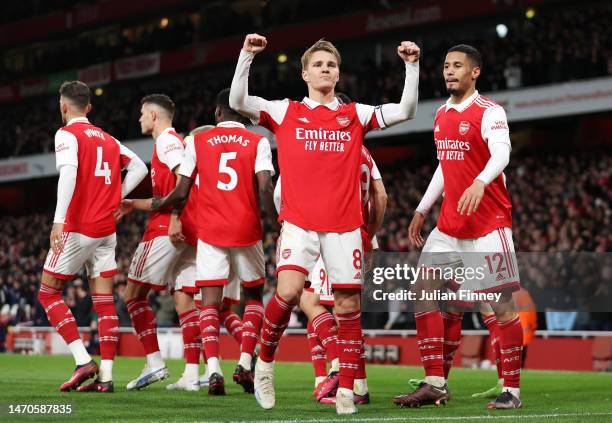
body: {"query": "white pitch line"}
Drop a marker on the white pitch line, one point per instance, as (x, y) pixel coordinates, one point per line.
(439, 418)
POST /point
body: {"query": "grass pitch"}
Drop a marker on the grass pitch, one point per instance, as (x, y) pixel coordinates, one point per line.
(547, 396)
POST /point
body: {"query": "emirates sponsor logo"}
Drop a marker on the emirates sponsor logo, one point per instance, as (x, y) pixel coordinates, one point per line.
(320, 134)
(343, 120)
(464, 127)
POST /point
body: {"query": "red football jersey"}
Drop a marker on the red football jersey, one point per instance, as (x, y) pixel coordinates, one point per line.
(99, 159)
(319, 150)
(226, 159)
(368, 173)
(461, 133)
(168, 153)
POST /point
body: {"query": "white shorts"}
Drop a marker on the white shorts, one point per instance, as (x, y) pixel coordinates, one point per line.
(319, 283)
(231, 293)
(96, 254)
(342, 253)
(217, 266)
(159, 263)
(491, 257)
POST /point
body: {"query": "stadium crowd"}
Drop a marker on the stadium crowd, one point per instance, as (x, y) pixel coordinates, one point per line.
(557, 45)
(561, 203)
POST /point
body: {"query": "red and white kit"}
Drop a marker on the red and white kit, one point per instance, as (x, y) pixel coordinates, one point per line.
(226, 159)
(330, 136)
(158, 262)
(319, 283)
(464, 135)
(89, 229)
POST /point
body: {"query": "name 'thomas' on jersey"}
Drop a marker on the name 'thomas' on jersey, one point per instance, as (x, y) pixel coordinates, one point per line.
(462, 134)
(226, 159)
(99, 159)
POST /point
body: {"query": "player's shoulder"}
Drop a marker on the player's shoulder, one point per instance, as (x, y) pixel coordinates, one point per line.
(441, 109)
(485, 102)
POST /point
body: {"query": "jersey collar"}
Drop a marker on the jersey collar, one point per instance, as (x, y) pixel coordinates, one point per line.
(230, 124)
(463, 105)
(166, 131)
(311, 104)
(77, 120)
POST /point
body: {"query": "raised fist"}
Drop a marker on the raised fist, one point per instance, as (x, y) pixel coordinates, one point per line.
(408, 51)
(254, 43)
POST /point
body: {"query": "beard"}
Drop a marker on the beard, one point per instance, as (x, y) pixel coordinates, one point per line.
(452, 91)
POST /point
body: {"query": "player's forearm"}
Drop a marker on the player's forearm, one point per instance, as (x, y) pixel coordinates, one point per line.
(433, 192)
(239, 98)
(142, 204)
(177, 197)
(136, 172)
(500, 157)
(266, 196)
(65, 191)
(394, 113)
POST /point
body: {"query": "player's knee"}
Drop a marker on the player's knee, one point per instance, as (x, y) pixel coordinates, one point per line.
(134, 291)
(290, 294)
(254, 293)
(347, 300)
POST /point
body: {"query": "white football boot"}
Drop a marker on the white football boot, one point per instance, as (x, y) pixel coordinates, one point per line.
(344, 401)
(148, 376)
(264, 384)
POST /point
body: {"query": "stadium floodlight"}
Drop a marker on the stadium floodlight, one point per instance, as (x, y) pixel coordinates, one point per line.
(282, 58)
(164, 23)
(530, 13)
(502, 30)
(98, 91)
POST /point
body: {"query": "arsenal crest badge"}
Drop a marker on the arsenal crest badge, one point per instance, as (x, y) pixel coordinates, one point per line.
(343, 120)
(464, 127)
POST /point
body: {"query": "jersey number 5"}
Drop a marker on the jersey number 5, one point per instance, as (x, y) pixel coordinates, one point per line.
(102, 168)
(225, 169)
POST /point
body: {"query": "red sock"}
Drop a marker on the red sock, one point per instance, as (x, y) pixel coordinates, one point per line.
(232, 323)
(251, 325)
(493, 326)
(430, 341)
(58, 313)
(317, 352)
(144, 323)
(276, 319)
(452, 338)
(209, 330)
(349, 347)
(192, 341)
(511, 347)
(326, 329)
(361, 370)
(108, 324)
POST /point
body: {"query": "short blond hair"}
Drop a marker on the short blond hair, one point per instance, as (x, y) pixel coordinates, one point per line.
(321, 45)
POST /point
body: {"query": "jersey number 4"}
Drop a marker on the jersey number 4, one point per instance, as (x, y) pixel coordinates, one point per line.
(227, 170)
(102, 168)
